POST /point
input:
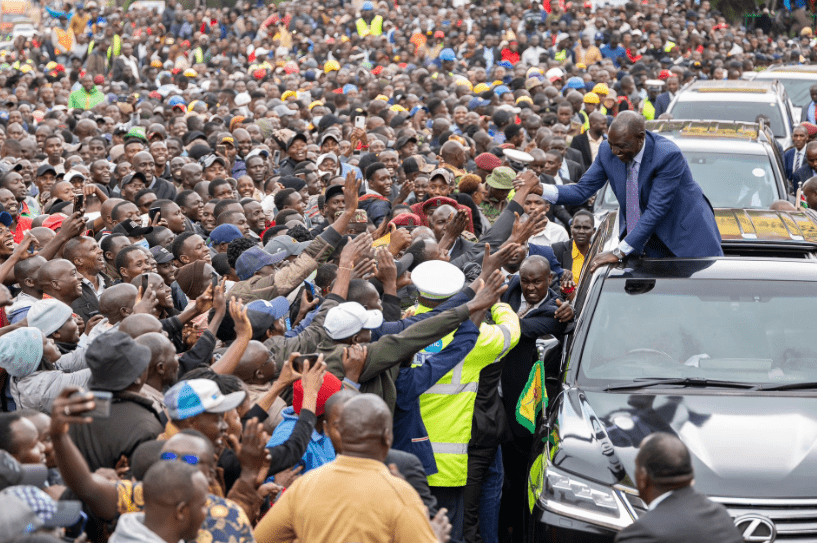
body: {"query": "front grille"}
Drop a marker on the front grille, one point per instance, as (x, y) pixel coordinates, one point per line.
(794, 519)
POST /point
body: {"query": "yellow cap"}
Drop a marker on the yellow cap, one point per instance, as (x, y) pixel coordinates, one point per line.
(331, 65)
(190, 72)
(481, 87)
(591, 98)
(532, 71)
(524, 99)
(382, 97)
(314, 104)
(288, 94)
(581, 65)
(497, 83)
(397, 108)
(601, 88)
(464, 83)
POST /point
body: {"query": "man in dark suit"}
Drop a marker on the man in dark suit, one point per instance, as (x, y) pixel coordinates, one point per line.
(573, 170)
(794, 158)
(663, 475)
(808, 169)
(536, 304)
(664, 212)
(664, 99)
(598, 126)
(571, 253)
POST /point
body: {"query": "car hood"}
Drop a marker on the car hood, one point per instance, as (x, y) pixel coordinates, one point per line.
(742, 445)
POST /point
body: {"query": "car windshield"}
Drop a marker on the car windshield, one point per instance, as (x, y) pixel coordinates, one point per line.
(750, 331)
(742, 181)
(732, 111)
(797, 89)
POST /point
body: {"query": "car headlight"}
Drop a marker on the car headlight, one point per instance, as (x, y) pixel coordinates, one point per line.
(575, 497)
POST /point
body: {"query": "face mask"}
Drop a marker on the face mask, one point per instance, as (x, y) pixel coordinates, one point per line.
(143, 243)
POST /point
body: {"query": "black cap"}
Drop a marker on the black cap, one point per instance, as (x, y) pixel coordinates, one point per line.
(132, 229)
(195, 134)
(298, 136)
(46, 168)
(131, 176)
(333, 191)
(14, 473)
(116, 361)
(161, 255)
(403, 141)
(208, 160)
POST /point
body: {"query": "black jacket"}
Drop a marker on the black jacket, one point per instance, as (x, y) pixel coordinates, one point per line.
(163, 189)
(87, 305)
(575, 157)
(133, 421)
(564, 253)
(683, 516)
(411, 468)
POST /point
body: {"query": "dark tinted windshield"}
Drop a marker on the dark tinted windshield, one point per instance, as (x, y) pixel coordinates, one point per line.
(798, 90)
(732, 111)
(748, 331)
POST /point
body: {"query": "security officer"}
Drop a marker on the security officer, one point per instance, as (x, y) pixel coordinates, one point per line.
(654, 88)
(454, 407)
(369, 23)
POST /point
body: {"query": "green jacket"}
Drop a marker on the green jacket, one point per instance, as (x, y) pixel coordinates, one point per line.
(385, 355)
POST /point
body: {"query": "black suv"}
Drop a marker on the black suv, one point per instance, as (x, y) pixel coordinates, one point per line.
(718, 351)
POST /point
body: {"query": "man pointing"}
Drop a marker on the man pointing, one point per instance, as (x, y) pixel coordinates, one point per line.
(664, 212)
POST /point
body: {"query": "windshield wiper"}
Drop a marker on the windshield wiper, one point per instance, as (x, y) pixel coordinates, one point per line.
(692, 382)
(788, 386)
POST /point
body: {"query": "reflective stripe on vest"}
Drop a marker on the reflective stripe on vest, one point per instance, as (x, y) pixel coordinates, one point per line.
(447, 407)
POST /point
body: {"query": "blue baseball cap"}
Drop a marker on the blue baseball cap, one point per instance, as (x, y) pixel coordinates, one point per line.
(224, 233)
(499, 90)
(448, 54)
(367, 6)
(415, 109)
(575, 83)
(478, 102)
(253, 259)
(196, 396)
(5, 218)
(176, 101)
(276, 308)
(505, 64)
(599, 36)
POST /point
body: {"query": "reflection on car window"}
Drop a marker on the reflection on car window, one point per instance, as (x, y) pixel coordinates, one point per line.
(732, 111)
(744, 181)
(750, 331)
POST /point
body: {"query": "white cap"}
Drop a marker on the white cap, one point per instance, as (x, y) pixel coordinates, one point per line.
(653, 83)
(242, 99)
(437, 280)
(349, 318)
(554, 72)
(72, 174)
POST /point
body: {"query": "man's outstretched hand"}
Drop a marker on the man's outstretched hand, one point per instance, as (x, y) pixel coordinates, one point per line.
(603, 259)
(489, 294)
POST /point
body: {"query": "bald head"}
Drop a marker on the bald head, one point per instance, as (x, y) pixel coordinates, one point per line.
(139, 324)
(536, 264)
(365, 427)
(628, 123)
(117, 302)
(782, 205)
(664, 461)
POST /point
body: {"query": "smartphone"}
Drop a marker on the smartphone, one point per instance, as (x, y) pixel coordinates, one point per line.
(276, 156)
(102, 399)
(144, 283)
(79, 202)
(152, 212)
(298, 363)
(360, 121)
(221, 150)
(214, 281)
(92, 314)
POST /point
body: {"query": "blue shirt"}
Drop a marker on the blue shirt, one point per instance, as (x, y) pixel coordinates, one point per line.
(613, 54)
(318, 452)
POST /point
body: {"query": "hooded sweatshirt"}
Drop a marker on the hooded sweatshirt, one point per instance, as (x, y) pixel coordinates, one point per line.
(131, 529)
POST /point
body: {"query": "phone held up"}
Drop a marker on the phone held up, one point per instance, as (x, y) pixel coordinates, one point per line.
(102, 401)
(298, 363)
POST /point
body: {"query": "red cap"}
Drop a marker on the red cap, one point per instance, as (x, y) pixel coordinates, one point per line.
(260, 73)
(439, 34)
(810, 128)
(331, 385)
(54, 221)
(99, 80)
(487, 162)
(377, 70)
(664, 74)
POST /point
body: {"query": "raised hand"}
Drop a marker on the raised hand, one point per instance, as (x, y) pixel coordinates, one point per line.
(354, 360)
(239, 314)
(67, 409)
(493, 262)
(489, 294)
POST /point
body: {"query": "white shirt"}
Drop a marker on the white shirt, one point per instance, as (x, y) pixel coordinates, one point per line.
(553, 233)
(659, 499)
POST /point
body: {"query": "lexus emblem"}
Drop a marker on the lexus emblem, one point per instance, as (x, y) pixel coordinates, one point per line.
(756, 529)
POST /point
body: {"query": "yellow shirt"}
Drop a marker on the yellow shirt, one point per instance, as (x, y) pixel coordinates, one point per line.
(578, 262)
(348, 499)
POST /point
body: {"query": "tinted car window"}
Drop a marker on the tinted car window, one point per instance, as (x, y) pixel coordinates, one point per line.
(732, 111)
(737, 330)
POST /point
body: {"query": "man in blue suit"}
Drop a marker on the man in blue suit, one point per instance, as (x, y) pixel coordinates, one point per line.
(795, 158)
(663, 211)
(663, 100)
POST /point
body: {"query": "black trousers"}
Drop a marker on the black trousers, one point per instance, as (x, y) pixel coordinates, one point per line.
(479, 461)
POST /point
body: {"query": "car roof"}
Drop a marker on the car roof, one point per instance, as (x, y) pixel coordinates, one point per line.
(714, 135)
(805, 69)
(764, 269)
(729, 90)
(767, 225)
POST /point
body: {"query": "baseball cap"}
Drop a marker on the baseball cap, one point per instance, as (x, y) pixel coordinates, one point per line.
(131, 177)
(444, 173)
(225, 233)
(46, 168)
(190, 398)
(332, 191)
(132, 229)
(283, 110)
(13, 472)
(17, 518)
(258, 152)
(115, 361)
(501, 178)
(437, 280)
(416, 163)
(161, 255)
(52, 514)
(298, 136)
(276, 308)
(448, 54)
(287, 245)
(48, 315)
(5, 218)
(253, 259)
(72, 174)
(54, 221)
(478, 102)
(208, 160)
(347, 319)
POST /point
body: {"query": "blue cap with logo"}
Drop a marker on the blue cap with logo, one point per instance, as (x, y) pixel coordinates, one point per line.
(190, 398)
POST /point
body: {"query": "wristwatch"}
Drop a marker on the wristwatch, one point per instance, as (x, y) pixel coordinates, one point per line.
(618, 254)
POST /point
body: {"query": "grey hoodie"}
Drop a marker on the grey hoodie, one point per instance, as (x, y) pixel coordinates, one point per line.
(131, 529)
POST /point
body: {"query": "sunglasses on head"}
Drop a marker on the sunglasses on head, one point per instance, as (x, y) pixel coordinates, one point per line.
(187, 458)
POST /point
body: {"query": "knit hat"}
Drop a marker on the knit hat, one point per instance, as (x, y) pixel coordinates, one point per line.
(48, 315)
(190, 277)
(487, 162)
(21, 351)
(331, 385)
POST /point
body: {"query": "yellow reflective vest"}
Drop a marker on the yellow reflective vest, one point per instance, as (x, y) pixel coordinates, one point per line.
(648, 110)
(375, 29)
(447, 408)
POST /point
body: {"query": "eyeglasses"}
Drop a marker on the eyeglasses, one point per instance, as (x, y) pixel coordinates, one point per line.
(187, 458)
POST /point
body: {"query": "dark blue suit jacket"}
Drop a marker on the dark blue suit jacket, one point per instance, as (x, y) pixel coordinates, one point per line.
(662, 103)
(673, 206)
(788, 162)
(801, 176)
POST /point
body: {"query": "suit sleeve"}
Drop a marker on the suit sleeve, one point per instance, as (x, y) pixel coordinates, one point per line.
(496, 236)
(578, 193)
(412, 469)
(635, 533)
(664, 188)
(395, 327)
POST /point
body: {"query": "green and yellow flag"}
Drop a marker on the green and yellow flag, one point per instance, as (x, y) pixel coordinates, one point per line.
(533, 398)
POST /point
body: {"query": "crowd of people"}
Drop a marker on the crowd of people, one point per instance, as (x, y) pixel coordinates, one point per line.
(277, 272)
